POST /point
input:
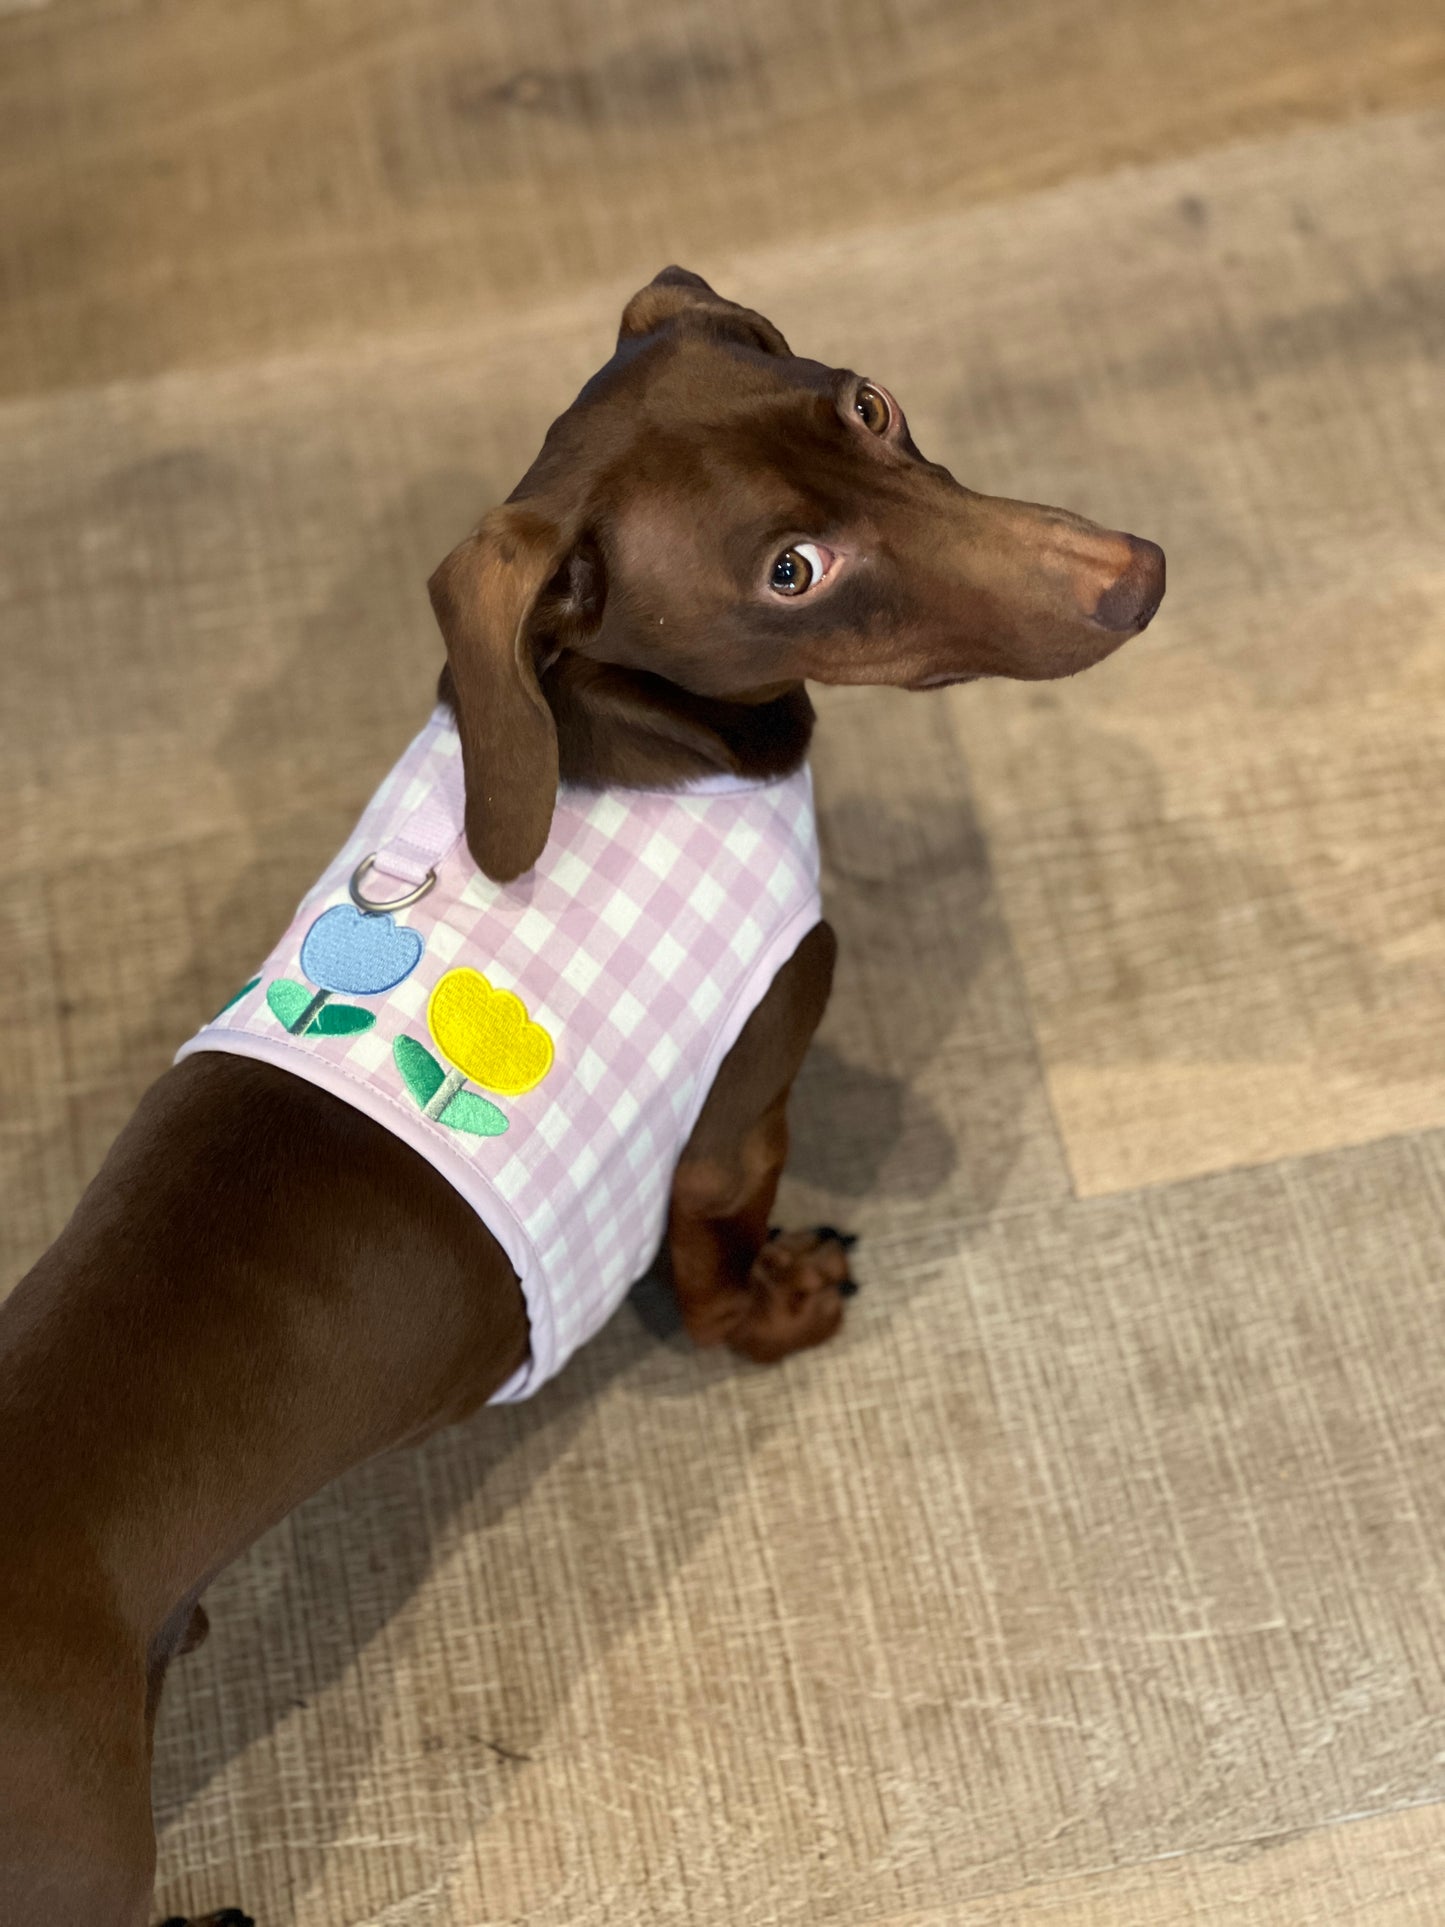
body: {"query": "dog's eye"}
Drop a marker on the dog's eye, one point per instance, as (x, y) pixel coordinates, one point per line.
(872, 408)
(796, 570)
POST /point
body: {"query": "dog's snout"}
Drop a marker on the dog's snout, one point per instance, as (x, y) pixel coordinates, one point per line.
(1130, 600)
(1102, 577)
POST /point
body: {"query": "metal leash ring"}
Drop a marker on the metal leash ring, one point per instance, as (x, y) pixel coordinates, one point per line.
(376, 907)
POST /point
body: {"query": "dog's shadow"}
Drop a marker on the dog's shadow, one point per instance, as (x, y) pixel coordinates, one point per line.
(922, 1085)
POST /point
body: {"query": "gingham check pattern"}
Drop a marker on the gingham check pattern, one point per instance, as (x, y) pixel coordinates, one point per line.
(642, 941)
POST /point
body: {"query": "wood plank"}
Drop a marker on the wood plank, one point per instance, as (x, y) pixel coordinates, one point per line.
(189, 183)
(1219, 855)
(1384, 1870)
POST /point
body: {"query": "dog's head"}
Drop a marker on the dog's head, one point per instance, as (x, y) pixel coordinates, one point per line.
(725, 519)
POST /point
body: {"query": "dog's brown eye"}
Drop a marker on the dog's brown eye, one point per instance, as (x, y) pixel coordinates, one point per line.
(871, 406)
(796, 570)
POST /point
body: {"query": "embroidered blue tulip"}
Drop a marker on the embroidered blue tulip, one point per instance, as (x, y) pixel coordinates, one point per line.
(357, 952)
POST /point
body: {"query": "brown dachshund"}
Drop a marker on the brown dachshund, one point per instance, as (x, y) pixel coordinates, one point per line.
(712, 523)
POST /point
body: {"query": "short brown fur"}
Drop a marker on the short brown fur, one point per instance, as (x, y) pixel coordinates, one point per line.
(181, 1368)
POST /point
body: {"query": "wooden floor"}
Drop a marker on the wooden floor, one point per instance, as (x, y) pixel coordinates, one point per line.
(1094, 1575)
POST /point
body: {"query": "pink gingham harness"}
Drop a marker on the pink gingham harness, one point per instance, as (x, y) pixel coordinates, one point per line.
(546, 1044)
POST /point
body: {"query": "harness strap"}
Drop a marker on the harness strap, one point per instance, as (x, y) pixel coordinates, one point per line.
(429, 833)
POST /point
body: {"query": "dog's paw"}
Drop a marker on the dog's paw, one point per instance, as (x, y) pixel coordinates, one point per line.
(795, 1294)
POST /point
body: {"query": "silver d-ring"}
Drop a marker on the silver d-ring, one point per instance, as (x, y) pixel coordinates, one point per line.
(374, 906)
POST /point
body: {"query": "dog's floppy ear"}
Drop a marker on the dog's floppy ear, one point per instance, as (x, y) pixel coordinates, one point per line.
(678, 295)
(485, 595)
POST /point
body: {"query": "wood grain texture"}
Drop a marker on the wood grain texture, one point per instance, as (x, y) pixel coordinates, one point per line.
(1384, 1871)
(1228, 899)
(1092, 1577)
(203, 182)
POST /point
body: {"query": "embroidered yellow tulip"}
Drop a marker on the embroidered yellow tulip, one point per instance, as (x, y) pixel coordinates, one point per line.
(487, 1034)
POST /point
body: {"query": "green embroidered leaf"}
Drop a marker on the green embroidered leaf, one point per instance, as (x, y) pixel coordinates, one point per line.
(469, 1111)
(340, 1020)
(287, 999)
(242, 992)
(420, 1070)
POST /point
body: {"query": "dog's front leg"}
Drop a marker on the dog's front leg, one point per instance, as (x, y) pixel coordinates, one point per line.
(764, 1293)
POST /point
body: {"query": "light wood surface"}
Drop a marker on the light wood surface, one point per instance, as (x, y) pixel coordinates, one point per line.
(1093, 1576)
(195, 180)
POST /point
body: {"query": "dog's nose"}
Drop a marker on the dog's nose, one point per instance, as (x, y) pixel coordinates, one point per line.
(1128, 604)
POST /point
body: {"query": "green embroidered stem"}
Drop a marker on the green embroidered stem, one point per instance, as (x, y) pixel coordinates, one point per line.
(444, 1093)
(304, 1021)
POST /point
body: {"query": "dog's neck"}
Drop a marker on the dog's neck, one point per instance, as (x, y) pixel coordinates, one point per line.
(624, 729)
